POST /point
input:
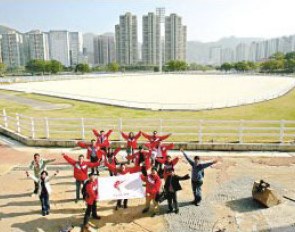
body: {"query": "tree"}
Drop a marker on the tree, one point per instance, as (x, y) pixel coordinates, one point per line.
(2, 69)
(290, 65)
(272, 65)
(241, 66)
(290, 55)
(36, 66)
(226, 67)
(55, 66)
(113, 67)
(278, 56)
(176, 65)
(83, 68)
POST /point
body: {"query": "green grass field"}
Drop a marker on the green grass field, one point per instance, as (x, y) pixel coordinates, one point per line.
(277, 109)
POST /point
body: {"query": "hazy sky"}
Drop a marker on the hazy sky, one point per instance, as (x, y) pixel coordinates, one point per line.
(207, 20)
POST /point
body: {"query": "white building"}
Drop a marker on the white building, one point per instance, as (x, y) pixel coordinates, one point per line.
(38, 45)
(76, 48)
(104, 49)
(215, 56)
(151, 39)
(175, 38)
(127, 40)
(242, 52)
(59, 45)
(227, 55)
(14, 50)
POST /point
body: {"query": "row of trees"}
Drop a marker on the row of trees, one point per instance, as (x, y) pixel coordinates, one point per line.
(44, 66)
(277, 63)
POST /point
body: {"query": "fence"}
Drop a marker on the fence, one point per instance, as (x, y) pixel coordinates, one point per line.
(183, 130)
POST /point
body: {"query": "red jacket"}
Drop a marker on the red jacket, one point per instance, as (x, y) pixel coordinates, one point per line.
(136, 156)
(98, 151)
(112, 159)
(102, 140)
(155, 140)
(131, 142)
(153, 184)
(163, 149)
(167, 165)
(117, 171)
(80, 170)
(92, 192)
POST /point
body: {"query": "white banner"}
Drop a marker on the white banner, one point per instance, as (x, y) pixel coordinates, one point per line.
(126, 186)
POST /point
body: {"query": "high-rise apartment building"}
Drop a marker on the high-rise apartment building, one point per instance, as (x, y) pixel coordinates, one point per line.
(175, 38)
(227, 55)
(60, 47)
(14, 50)
(104, 49)
(127, 40)
(151, 39)
(38, 45)
(76, 48)
(242, 52)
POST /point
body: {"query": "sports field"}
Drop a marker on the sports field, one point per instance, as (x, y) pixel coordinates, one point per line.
(167, 91)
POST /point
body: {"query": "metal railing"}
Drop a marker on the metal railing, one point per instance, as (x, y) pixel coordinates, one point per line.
(183, 130)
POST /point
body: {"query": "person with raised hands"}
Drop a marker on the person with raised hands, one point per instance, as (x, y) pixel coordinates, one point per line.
(38, 165)
(94, 153)
(102, 138)
(197, 175)
(80, 171)
(131, 141)
(44, 189)
(153, 185)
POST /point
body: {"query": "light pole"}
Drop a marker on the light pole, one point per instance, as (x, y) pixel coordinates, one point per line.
(160, 13)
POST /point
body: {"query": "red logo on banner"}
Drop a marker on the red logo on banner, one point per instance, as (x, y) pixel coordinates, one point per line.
(117, 184)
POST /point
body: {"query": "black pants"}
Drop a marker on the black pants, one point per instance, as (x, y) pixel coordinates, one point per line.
(94, 160)
(78, 188)
(36, 187)
(172, 198)
(159, 168)
(91, 209)
(44, 199)
(111, 173)
(119, 203)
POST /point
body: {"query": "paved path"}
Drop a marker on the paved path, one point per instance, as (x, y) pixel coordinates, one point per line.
(36, 104)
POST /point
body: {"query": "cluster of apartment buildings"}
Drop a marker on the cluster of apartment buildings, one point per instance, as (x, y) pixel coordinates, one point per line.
(254, 51)
(16, 49)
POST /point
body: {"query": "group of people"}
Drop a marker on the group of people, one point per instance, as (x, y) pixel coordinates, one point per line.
(154, 164)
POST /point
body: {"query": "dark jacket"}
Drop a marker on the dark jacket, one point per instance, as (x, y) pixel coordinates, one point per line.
(174, 180)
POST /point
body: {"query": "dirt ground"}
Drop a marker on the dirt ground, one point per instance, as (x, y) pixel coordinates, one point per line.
(227, 204)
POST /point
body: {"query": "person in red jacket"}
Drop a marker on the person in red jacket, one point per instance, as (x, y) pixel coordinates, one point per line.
(111, 157)
(155, 139)
(131, 142)
(159, 153)
(153, 185)
(168, 165)
(102, 138)
(140, 156)
(121, 170)
(90, 198)
(94, 153)
(80, 171)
